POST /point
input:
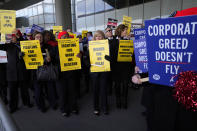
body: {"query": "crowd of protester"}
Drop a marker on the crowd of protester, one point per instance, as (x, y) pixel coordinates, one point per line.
(64, 92)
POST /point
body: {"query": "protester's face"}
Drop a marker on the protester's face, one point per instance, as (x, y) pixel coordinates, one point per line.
(99, 37)
(39, 37)
(108, 32)
(68, 30)
(14, 39)
(47, 37)
(29, 37)
(80, 40)
(124, 33)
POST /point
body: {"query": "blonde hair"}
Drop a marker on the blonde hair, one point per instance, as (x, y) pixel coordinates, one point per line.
(98, 32)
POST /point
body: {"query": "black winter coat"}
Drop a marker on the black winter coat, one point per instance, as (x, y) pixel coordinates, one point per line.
(120, 70)
(16, 70)
(3, 72)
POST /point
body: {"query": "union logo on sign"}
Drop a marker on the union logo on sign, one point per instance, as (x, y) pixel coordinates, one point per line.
(156, 77)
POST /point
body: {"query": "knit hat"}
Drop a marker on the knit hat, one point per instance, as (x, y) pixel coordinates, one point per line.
(61, 34)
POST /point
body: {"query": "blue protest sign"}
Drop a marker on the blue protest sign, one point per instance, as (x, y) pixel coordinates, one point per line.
(141, 55)
(171, 48)
(140, 33)
(27, 30)
(36, 28)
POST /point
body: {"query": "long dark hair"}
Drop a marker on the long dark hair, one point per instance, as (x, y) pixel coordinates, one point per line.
(119, 29)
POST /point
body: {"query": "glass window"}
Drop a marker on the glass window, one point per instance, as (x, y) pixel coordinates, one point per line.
(136, 12)
(120, 13)
(109, 14)
(31, 21)
(108, 7)
(41, 19)
(35, 10)
(40, 9)
(189, 4)
(90, 21)
(89, 6)
(99, 19)
(48, 8)
(36, 20)
(48, 26)
(48, 1)
(151, 10)
(48, 19)
(81, 24)
(30, 12)
(81, 8)
(99, 5)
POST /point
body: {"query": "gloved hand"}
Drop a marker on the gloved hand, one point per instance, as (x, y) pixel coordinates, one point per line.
(108, 58)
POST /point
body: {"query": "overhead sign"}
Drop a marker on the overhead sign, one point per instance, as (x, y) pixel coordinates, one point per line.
(171, 46)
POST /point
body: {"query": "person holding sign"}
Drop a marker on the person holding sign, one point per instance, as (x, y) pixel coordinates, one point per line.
(39, 85)
(49, 38)
(100, 79)
(17, 74)
(68, 78)
(121, 71)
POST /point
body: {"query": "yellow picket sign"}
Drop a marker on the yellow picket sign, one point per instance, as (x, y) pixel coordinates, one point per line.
(127, 21)
(3, 38)
(8, 21)
(72, 34)
(98, 50)
(84, 33)
(68, 51)
(57, 29)
(33, 55)
(126, 50)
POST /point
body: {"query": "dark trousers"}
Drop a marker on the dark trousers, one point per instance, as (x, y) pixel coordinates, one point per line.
(13, 93)
(121, 89)
(3, 91)
(67, 91)
(40, 95)
(100, 84)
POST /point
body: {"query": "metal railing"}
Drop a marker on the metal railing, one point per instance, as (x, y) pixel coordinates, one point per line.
(6, 121)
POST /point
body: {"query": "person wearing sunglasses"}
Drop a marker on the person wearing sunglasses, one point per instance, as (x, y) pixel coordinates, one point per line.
(108, 33)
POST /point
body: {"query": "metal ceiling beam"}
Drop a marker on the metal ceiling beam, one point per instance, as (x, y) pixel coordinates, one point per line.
(17, 4)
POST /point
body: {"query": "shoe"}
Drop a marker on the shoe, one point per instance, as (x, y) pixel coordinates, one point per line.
(65, 114)
(75, 112)
(96, 112)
